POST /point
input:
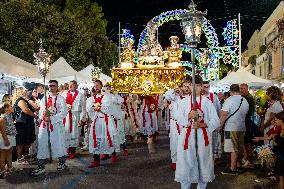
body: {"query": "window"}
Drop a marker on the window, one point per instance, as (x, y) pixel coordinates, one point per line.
(269, 64)
(260, 71)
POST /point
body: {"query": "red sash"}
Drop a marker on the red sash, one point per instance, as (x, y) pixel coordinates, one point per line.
(211, 97)
(69, 100)
(99, 100)
(49, 104)
(205, 135)
(126, 106)
(148, 102)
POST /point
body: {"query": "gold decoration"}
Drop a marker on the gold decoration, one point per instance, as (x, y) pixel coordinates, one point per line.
(173, 53)
(146, 81)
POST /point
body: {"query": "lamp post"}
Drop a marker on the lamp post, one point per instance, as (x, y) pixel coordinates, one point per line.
(42, 60)
(191, 24)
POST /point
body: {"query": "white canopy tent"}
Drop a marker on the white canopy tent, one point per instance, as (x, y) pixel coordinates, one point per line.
(87, 75)
(243, 76)
(15, 66)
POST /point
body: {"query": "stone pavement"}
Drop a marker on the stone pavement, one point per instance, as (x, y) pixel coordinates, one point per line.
(146, 167)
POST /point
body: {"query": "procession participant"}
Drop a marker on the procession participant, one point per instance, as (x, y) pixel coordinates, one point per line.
(119, 123)
(134, 104)
(86, 123)
(103, 137)
(172, 98)
(52, 117)
(129, 125)
(149, 126)
(195, 167)
(75, 117)
(216, 136)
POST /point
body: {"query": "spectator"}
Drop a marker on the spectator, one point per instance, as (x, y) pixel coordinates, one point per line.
(248, 155)
(233, 114)
(40, 91)
(25, 125)
(7, 138)
(273, 95)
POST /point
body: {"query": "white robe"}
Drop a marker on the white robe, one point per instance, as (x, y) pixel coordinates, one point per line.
(150, 127)
(78, 114)
(216, 136)
(128, 123)
(118, 115)
(57, 136)
(103, 146)
(188, 170)
(133, 109)
(173, 126)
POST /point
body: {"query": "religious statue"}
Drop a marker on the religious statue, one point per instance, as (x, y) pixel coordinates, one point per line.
(173, 53)
(128, 55)
(151, 53)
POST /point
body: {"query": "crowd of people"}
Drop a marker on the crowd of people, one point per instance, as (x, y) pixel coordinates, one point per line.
(200, 129)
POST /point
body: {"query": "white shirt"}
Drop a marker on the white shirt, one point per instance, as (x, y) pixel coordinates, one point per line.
(276, 107)
(237, 121)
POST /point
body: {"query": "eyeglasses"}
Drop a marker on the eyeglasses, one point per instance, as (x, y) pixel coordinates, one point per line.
(51, 85)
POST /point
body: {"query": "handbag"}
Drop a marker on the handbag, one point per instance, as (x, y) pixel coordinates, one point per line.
(234, 112)
(21, 118)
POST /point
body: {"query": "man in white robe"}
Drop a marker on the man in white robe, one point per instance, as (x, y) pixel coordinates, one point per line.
(103, 138)
(75, 117)
(52, 119)
(195, 165)
(216, 137)
(172, 98)
(148, 112)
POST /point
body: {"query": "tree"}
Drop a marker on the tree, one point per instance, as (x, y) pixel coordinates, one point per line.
(24, 22)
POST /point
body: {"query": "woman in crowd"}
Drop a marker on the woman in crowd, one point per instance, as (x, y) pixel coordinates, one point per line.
(24, 121)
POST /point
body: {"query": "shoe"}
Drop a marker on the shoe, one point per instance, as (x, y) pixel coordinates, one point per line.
(85, 148)
(94, 164)
(68, 150)
(241, 170)
(61, 167)
(104, 156)
(38, 171)
(125, 152)
(22, 161)
(248, 165)
(229, 172)
(114, 158)
(173, 166)
(71, 156)
(145, 142)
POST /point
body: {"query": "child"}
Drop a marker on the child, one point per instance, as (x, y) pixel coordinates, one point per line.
(7, 138)
(278, 140)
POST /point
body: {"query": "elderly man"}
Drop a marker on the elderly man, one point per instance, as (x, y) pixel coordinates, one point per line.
(232, 118)
(249, 121)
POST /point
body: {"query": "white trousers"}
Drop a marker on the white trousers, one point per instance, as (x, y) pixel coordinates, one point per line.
(187, 185)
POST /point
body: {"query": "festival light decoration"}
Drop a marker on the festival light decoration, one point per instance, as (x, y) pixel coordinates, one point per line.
(231, 32)
(153, 24)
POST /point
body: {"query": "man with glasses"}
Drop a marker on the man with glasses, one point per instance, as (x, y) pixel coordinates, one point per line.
(216, 136)
(51, 117)
(75, 117)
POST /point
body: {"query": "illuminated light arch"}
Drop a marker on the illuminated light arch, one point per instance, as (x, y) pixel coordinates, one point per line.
(156, 22)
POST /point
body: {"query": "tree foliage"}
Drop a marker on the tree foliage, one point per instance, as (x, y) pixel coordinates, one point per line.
(75, 31)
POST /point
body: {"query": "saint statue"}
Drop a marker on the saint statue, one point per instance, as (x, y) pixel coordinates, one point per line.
(173, 53)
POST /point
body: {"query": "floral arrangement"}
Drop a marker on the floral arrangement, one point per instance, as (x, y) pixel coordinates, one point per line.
(51, 111)
(97, 106)
(69, 107)
(264, 151)
(152, 107)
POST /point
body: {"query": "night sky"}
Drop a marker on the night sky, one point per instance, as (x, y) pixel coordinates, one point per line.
(134, 15)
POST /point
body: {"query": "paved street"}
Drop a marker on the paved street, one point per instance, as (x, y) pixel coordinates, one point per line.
(146, 167)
